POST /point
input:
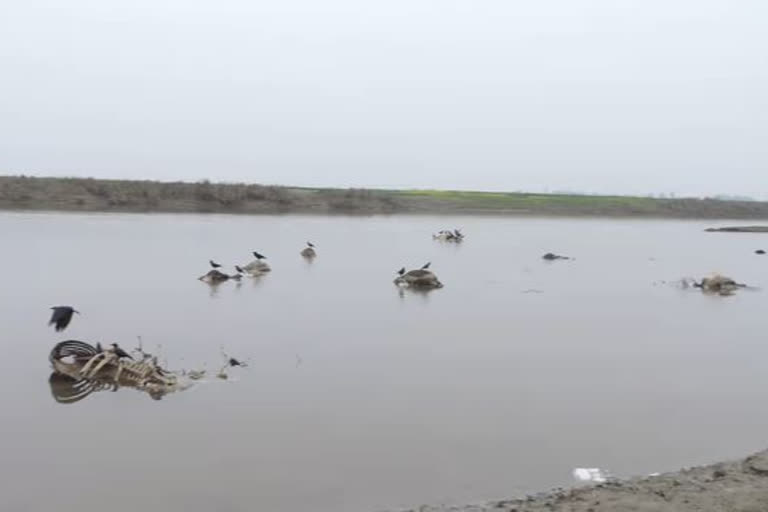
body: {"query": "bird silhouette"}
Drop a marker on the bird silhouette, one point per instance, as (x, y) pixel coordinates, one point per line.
(401, 271)
(119, 352)
(426, 265)
(239, 269)
(311, 244)
(234, 362)
(214, 264)
(61, 317)
(259, 256)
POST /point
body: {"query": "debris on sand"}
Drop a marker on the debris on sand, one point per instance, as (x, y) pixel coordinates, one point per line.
(739, 485)
(596, 475)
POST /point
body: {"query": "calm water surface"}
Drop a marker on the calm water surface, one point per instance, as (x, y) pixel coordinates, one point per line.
(359, 398)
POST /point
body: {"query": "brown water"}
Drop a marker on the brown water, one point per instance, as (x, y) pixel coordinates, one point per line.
(360, 399)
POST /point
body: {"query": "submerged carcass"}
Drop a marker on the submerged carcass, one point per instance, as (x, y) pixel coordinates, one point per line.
(446, 235)
(256, 268)
(309, 251)
(214, 277)
(550, 256)
(718, 284)
(420, 278)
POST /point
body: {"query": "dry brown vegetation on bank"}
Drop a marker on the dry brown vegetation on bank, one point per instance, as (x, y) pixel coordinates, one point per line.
(88, 194)
(153, 196)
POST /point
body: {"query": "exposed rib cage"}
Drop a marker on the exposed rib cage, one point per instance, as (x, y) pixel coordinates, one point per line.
(72, 348)
(86, 369)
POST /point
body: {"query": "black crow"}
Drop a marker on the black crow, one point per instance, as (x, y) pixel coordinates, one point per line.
(259, 256)
(120, 353)
(61, 316)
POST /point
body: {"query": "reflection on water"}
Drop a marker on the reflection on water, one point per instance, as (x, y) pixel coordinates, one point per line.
(359, 397)
(215, 288)
(68, 390)
(421, 293)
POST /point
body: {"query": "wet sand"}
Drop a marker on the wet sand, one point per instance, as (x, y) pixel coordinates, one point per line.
(736, 486)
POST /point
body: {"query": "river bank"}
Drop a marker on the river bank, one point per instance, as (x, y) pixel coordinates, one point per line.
(734, 486)
(87, 194)
(739, 229)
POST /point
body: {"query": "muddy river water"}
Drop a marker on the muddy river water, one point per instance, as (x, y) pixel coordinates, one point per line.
(360, 398)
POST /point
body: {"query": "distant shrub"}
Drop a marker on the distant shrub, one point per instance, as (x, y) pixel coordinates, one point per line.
(204, 191)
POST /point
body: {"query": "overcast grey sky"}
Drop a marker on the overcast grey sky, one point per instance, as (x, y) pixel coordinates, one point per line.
(593, 95)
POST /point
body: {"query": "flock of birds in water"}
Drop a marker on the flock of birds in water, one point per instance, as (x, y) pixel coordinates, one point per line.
(61, 316)
(417, 278)
(420, 278)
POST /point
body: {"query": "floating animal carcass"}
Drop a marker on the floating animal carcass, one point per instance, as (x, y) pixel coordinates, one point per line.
(718, 284)
(215, 277)
(80, 369)
(309, 251)
(256, 268)
(550, 256)
(446, 235)
(421, 278)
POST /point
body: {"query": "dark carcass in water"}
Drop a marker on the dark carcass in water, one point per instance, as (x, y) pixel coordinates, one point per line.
(550, 256)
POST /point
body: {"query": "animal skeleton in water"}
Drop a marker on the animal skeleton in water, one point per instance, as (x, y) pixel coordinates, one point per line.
(92, 363)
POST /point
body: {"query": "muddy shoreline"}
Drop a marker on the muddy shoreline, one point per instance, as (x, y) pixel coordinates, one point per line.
(732, 486)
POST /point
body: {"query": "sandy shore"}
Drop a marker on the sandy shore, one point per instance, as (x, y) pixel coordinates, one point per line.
(737, 486)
